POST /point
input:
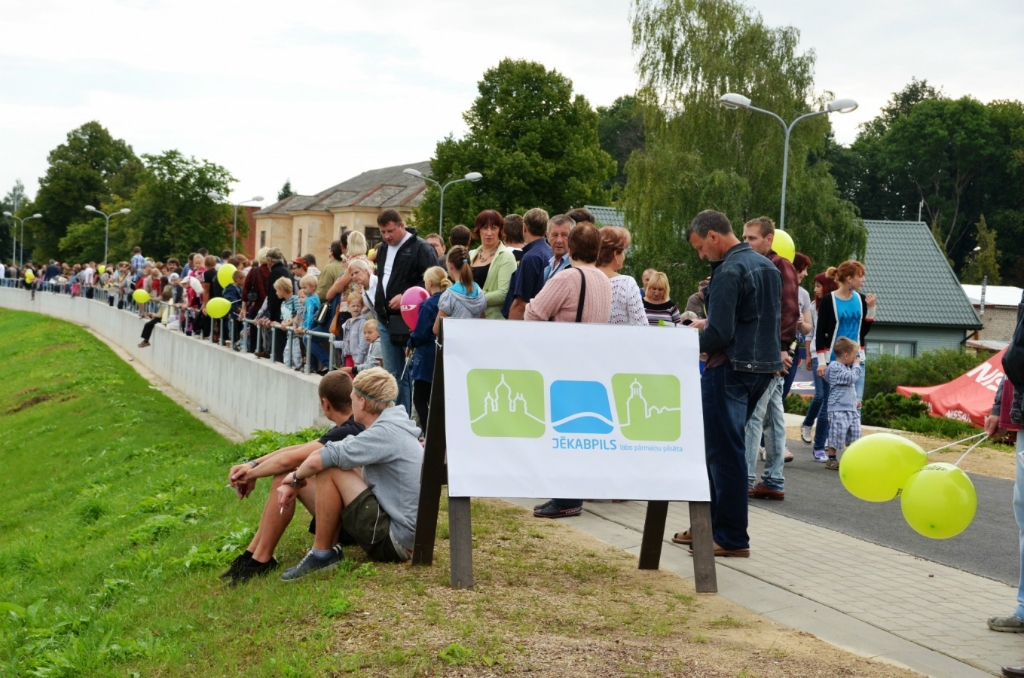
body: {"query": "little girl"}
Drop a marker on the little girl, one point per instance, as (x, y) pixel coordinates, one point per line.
(289, 316)
(374, 357)
(354, 346)
(421, 343)
(464, 299)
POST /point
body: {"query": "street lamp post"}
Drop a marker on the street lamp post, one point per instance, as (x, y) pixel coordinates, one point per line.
(106, 239)
(733, 101)
(472, 176)
(216, 197)
(21, 259)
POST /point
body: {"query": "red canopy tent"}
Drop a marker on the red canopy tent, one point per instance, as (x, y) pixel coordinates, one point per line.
(967, 398)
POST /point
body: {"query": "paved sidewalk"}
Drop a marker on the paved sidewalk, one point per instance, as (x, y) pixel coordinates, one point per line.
(869, 599)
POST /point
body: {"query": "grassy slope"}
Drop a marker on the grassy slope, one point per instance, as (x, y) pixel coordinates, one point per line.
(115, 522)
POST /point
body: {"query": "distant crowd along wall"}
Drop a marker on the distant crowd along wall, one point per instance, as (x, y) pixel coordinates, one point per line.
(245, 393)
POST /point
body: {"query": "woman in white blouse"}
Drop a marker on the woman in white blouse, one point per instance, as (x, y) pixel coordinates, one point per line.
(627, 304)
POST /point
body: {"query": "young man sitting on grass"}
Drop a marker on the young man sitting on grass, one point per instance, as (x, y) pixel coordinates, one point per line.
(366, 485)
(335, 391)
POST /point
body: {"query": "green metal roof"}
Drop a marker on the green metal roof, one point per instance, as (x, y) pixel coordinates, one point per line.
(913, 280)
(607, 216)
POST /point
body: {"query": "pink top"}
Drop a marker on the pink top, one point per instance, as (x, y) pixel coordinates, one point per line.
(561, 293)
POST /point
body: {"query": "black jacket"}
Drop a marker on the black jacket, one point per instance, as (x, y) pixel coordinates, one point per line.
(825, 337)
(277, 271)
(412, 260)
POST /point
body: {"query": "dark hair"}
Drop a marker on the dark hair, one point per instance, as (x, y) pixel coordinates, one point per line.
(389, 216)
(536, 222)
(336, 246)
(137, 250)
(801, 262)
(765, 226)
(458, 258)
(233, 260)
(191, 256)
(174, 261)
(204, 251)
(707, 221)
(513, 228)
(580, 214)
(460, 235)
(336, 388)
(614, 240)
(827, 281)
(310, 259)
(488, 218)
(224, 254)
(584, 243)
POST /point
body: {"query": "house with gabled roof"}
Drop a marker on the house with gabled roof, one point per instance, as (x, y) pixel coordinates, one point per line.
(921, 305)
(302, 224)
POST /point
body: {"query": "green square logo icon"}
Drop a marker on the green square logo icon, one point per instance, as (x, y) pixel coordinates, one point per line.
(648, 406)
(506, 403)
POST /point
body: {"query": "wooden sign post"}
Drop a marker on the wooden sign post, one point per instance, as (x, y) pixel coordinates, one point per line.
(460, 534)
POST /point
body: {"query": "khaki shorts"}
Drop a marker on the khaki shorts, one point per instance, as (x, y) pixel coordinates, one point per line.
(366, 522)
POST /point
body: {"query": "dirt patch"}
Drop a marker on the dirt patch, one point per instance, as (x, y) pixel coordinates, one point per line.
(31, 402)
(986, 461)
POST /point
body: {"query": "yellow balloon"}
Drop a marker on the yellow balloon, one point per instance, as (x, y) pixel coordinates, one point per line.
(939, 501)
(102, 269)
(225, 274)
(876, 467)
(783, 245)
(141, 296)
(29, 276)
(218, 308)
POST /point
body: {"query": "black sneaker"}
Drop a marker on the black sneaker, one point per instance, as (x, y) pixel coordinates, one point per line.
(254, 568)
(311, 563)
(552, 510)
(236, 565)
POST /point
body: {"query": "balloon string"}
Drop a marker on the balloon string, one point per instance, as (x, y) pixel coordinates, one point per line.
(957, 464)
(979, 435)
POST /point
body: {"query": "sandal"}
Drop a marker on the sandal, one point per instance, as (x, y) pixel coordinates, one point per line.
(683, 537)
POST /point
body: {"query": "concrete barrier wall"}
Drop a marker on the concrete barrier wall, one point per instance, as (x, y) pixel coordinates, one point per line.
(245, 393)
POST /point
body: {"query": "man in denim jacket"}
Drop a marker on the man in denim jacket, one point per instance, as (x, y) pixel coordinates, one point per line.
(741, 340)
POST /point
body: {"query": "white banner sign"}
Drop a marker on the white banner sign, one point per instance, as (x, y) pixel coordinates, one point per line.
(568, 410)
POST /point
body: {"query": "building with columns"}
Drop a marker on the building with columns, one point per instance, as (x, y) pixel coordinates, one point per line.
(302, 224)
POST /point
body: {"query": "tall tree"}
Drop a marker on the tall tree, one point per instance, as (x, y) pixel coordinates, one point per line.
(699, 155)
(286, 190)
(620, 129)
(88, 169)
(983, 264)
(17, 203)
(535, 143)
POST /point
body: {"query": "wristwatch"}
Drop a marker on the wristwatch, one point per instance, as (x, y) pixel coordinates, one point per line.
(254, 463)
(295, 478)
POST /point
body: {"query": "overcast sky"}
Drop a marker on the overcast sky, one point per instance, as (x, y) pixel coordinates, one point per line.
(318, 91)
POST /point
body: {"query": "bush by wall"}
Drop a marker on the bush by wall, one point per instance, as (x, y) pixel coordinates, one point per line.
(883, 409)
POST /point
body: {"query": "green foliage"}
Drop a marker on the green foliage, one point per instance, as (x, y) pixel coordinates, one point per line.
(885, 372)
(700, 156)
(796, 404)
(17, 203)
(937, 426)
(535, 143)
(286, 190)
(886, 407)
(455, 654)
(620, 129)
(985, 264)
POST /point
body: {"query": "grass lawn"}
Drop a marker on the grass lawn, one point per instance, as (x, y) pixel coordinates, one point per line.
(116, 521)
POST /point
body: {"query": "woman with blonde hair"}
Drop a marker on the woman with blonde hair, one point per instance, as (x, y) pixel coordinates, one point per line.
(657, 302)
(345, 285)
(421, 342)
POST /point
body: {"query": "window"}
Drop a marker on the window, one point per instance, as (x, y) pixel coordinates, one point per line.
(372, 237)
(904, 349)
(263, 239)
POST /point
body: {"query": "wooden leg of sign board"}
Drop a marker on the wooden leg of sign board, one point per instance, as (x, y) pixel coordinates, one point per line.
(704, 577)
(654, 535)
(460, 539)
(434, 473)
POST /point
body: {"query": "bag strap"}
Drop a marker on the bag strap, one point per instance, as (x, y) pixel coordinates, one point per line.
(583, 295)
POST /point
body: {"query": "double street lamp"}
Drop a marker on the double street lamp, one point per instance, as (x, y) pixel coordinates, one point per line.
(217, 197)
(106, 240)
(14, 245)
(733, 101)
(472, 176)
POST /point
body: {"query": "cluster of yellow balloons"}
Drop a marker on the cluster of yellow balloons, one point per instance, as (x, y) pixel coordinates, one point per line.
(938, 500)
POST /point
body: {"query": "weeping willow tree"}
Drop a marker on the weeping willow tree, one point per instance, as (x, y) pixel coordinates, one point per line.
(700, 156)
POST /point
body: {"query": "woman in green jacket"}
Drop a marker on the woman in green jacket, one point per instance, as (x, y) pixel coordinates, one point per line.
(492, 262)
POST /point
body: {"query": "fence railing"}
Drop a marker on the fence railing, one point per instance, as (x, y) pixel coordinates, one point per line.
(244, 332)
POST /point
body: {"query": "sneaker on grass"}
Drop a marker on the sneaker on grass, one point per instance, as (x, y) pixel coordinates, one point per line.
(805, 434)
(1011, 624)
(254, 568)
(313, 563)
(236, 565)
(819, 455)
(550, 509)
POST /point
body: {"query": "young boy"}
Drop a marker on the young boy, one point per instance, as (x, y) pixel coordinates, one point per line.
(289, 312)
(233, 293)
(374, 357)
(354, 344)
(843, 418)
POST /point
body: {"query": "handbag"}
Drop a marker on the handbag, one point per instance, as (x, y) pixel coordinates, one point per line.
(398, 330)
(325, 312)
(579, 302)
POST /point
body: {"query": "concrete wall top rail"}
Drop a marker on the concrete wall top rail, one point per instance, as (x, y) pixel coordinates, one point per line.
(245, 393)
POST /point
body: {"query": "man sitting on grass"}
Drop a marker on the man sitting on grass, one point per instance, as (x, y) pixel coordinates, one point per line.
(367, 485)
(335, 391)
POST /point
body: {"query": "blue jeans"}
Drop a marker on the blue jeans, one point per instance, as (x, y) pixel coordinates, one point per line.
(728, 399)
(815, 407)
(1018, 512)
(767, 417)
(394, 362)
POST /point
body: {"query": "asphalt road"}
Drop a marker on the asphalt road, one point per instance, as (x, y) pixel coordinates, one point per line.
(989, 547)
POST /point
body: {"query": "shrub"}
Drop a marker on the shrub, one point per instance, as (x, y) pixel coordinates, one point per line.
(938, 426)
(883, 409)
(796, 404)
(884, 373)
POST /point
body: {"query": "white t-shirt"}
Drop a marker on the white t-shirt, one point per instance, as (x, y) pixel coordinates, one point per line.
(3, 270)
(87, 275)
(389, 261)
